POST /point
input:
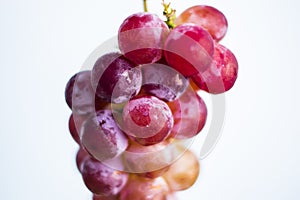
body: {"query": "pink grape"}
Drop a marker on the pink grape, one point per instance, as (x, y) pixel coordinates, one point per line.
(163, 81)
(141, 37)
(101, 136)
(190, 113)
(147, 119)
(101, 179)
(139, 188)
(189, 49)
(208, 17)
(79, 93)
(221, 75)
(183, 173)
(116, 79)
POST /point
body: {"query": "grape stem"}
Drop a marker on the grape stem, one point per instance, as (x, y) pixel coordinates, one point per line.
(170, 14)
(145, 6)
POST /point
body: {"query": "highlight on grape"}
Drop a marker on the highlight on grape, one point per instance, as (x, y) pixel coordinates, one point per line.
(136, 104)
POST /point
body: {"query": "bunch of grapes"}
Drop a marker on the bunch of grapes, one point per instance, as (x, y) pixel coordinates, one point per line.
(133, 112)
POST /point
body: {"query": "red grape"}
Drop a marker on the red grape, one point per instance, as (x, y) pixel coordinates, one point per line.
(81, 156)
(163, 81)
(139, 188)
(79, 93)
(190, 113)
(74, 127)
(102, 137)
(189, 49)
(206, 16)
(183, 173)
(102, 180)
(116, 79)
(221, 75)
(147, 119)
(141, 37)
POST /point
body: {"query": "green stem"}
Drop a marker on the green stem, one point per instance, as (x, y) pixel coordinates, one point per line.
(145, 6)
(169, 13)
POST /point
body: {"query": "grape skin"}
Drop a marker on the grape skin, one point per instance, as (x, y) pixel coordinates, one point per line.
(79, 93)
(74, 127)
(147, 120)
(141, 36)
(139, 188)
(115, 79)
(102, 180)
(101, 136)
(190, 114)
(207, 17)
(189, 49)
(81, 156)
(163, 81)
(183, 173)
(221, 75)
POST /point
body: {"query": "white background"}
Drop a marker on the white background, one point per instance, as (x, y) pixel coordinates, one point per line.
(43, 43)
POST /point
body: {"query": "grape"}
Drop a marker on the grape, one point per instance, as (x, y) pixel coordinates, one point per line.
(139, 188)
(81, 156)
(194, 86)
(147, 119)
(189, 49)
(162, 81)
(183, 173)
(190, 113)
(148, 161)
(74, 127)
(102, 180)
(115, 79)
(101, 136)
(79, 93)
(221, 75)
(100, 104)
(206, 16)
(141, 37)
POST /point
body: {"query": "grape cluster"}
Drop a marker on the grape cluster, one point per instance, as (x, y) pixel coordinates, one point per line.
(132, 112)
